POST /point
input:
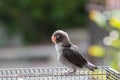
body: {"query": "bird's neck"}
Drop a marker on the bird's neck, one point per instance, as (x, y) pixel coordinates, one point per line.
(60, 46)
(66, 45)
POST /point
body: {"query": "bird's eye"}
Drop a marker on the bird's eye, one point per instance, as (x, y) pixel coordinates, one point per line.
(58, 36)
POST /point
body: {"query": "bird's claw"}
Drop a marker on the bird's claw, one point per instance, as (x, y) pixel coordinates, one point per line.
(69, 72)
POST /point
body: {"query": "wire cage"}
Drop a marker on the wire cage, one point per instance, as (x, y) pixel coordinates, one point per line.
(103, 73)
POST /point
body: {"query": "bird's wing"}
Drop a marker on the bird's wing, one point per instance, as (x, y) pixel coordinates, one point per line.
(74, 57)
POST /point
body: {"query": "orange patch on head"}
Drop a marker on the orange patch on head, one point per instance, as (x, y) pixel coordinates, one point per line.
(53, 38)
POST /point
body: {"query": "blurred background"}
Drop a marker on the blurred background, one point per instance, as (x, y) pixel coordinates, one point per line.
(26, 27)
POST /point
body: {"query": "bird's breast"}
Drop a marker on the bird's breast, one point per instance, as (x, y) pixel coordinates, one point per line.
(58, 50)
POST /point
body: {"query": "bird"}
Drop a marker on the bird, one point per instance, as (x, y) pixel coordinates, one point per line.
(68, 53)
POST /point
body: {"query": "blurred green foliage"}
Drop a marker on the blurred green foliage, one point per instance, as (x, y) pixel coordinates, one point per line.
(37, 19)
(111, 25)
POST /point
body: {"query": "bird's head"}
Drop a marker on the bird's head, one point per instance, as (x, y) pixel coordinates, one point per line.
(60, 37)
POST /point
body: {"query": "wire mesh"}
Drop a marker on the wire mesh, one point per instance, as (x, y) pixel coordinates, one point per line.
(103, 73)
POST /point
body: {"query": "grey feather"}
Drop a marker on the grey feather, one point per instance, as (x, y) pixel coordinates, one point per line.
(90, 66)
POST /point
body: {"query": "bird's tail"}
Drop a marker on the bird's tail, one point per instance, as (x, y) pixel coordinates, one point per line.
(91, 66)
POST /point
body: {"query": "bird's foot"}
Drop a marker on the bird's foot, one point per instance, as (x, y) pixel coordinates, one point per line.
(69, 72)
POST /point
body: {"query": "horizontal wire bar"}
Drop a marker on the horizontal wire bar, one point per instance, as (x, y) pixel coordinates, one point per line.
(46, 75)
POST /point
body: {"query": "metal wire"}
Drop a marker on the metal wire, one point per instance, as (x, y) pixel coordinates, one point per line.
(103, 73)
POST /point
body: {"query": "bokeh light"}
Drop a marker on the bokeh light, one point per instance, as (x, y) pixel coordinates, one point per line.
(114, 34)
(107, 15)
(96, 51)
(97, 17)
(115, 22)
(107, 40)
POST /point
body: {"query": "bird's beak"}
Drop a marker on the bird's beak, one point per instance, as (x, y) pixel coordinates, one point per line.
(53, 38)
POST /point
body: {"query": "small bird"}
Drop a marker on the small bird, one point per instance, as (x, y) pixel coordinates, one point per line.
(68, 54)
